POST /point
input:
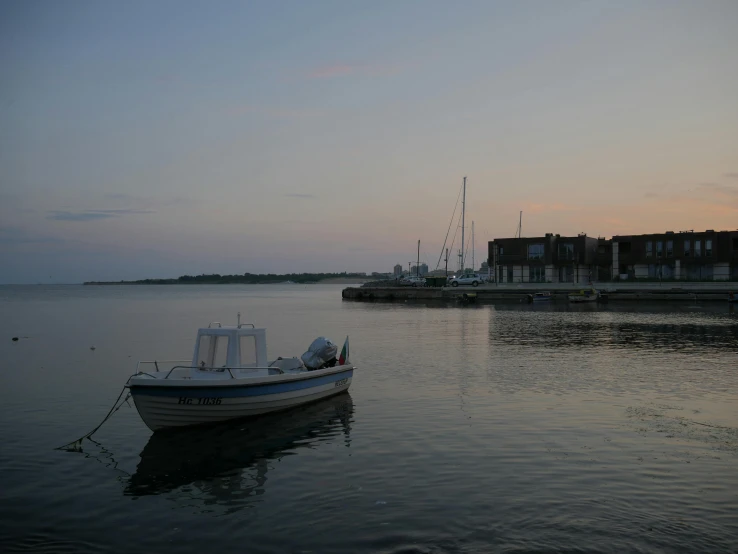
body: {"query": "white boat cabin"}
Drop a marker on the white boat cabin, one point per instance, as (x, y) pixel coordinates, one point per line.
(239, 351)
(218, 348)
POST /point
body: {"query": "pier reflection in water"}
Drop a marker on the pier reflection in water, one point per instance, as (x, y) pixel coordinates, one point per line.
(584, 326)
(227, 465)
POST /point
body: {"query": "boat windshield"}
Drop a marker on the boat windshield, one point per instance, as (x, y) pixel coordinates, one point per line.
(212, 351)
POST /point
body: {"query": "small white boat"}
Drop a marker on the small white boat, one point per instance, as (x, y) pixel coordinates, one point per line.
(585, 295)
(229, 377)
(544, 296)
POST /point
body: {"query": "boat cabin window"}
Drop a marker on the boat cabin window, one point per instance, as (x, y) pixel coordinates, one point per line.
(212, 351)
(248, 351)
(221, 352)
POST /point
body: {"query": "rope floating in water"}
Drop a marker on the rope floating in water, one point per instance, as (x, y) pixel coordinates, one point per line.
(76, 446)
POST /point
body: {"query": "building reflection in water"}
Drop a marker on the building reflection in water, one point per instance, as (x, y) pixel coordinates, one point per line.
(631, 327)
(227, 464)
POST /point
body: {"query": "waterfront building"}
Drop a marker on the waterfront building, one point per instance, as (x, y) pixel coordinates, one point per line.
(686, 255)
(398, 270)
(548, 259)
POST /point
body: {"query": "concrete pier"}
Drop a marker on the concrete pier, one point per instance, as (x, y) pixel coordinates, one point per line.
(685, 291)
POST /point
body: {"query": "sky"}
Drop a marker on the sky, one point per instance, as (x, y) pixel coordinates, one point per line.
(147, 139)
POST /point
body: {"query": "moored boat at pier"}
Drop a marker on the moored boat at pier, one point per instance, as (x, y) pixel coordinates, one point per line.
(543, 296)
(584, 295)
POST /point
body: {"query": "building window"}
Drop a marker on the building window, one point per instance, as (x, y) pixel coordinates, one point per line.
(536, 274)
(566, 252)
(566, 274)
(659, 249)
(649, 249)
(687, 248)
(708, 247)
(697, 248)
(669, 248)
(535, 251)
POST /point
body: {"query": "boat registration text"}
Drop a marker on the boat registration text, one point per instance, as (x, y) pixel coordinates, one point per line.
(200, 401)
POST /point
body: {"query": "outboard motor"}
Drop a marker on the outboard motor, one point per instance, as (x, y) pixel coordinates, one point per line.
(322, 353)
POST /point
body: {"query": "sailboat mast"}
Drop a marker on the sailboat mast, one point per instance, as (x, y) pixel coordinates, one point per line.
(417, 265)
(473, 264)
(463, 215)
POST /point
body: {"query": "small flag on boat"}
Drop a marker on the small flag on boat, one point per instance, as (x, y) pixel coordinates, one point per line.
(343, 358)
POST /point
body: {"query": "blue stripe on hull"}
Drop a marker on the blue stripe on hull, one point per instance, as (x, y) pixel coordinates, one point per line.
(239, 391)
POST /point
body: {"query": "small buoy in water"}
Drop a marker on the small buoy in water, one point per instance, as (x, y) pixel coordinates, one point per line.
(92, 348)
(14, 339)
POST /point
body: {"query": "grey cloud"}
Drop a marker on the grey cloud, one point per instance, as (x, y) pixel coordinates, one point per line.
(297, 195)
(122, 212)
(93, 215)
(133, 200)
(83, 216)
(731, 175)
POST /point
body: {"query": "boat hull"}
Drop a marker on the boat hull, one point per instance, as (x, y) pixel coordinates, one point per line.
(163, 407)
(581, 299)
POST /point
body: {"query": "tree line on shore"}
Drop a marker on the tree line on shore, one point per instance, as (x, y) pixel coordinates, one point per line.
(246, 278)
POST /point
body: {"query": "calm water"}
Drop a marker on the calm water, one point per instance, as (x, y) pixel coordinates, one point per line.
(492, 428)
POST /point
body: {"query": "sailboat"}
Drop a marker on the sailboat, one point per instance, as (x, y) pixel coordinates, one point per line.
(460, 274)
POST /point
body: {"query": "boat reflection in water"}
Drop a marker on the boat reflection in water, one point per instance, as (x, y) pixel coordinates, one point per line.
(225, 464)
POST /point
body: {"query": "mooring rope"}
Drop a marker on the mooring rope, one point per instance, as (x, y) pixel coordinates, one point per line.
(117, 405)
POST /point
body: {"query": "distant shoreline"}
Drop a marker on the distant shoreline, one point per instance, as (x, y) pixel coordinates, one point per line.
(336, 281)
(247, 279)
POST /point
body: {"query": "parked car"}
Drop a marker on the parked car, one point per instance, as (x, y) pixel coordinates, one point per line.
(472, 279)
(412, 281)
